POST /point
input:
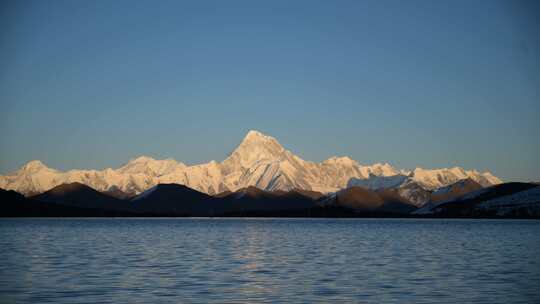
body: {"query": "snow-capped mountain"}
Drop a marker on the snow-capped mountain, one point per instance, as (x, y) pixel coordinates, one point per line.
(258, 161)
(435, 178)
(420, 185)
(508, 199)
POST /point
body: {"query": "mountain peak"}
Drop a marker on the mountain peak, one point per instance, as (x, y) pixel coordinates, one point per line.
(342, 160)
(34, 165)
(142, 159)
(70, 187)
(254, 135)
(151, 166)
(255, 147)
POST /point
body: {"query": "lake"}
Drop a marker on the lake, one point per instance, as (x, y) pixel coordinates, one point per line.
(149, 260)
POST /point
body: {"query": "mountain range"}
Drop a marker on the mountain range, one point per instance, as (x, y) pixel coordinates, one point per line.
(259, 161)
(515, 200)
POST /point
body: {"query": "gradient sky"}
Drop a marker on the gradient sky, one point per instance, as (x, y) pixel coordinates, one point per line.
(91, 84)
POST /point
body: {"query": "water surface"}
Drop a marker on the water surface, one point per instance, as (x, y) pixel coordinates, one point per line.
(269, 260)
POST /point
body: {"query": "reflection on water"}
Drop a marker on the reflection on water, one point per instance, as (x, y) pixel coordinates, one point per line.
(269, 260)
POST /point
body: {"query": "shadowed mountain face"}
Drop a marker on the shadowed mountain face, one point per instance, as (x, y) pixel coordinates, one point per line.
(172, 199)
(364, 200)
(359, 198)
(254, 199)
(16, 205)
(314, 195)
(506, 200)
(79, 195)
(509, 199)
(10, 196)
(455, 190)
(177, 199)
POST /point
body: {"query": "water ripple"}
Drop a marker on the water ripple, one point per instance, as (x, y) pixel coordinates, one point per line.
(269, 260)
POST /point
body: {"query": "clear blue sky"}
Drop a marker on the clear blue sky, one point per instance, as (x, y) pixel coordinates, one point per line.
(91, 84)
